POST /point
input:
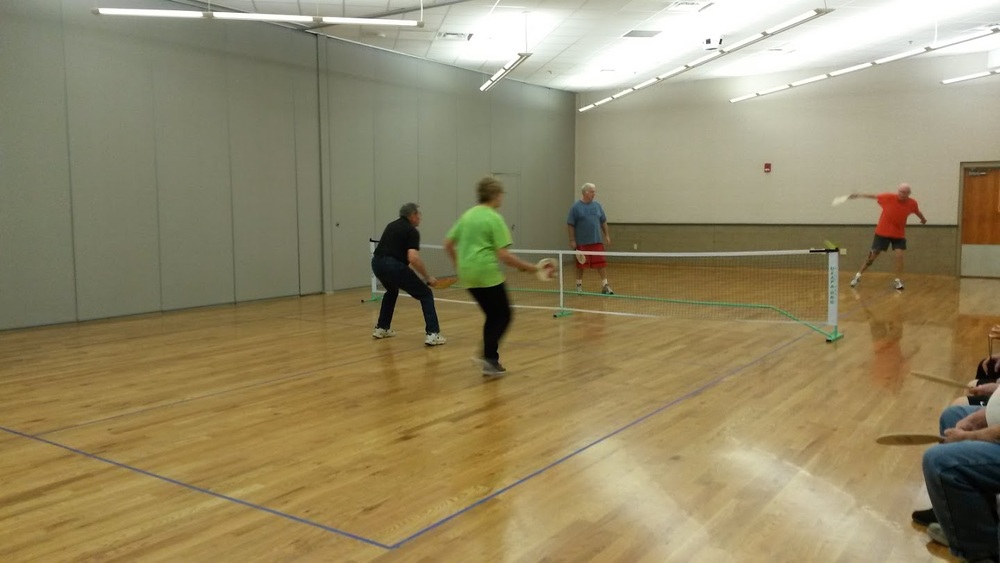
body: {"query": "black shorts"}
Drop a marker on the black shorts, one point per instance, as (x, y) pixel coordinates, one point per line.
(979, 401)
(881, 243)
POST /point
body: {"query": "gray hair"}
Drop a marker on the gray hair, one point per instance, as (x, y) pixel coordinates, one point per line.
(408, 209)
(587, 186)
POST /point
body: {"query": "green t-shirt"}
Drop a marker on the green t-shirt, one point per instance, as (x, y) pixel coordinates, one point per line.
(478, 234)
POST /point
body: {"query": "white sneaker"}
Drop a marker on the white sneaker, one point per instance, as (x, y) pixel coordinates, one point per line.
(856, 280)
(897, 283)
(435, 339)
(936, 532)
(383, 333)
(579, 287)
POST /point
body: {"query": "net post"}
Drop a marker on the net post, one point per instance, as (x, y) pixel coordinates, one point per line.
(371, 251)
(833, 293)
(562, 312)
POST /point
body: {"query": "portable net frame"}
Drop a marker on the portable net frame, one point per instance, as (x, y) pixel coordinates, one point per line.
(797, 286)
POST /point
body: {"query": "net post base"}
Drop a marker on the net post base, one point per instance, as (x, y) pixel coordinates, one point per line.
(834, 336)
(562, 313)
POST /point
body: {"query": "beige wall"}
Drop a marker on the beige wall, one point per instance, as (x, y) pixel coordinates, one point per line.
(680, 168)
(932, 250)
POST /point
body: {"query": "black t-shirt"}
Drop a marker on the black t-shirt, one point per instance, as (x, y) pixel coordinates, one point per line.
(398, 237)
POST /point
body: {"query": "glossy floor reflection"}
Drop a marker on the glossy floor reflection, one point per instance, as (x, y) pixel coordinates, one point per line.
(280, 430)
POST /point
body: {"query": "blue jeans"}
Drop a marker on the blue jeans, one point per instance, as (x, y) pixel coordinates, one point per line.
(394, 276)
(963, 480)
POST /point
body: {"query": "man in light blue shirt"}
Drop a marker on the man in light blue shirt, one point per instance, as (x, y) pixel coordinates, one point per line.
(588, 231)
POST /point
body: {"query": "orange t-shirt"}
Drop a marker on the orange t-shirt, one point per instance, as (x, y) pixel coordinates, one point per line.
(892, 222)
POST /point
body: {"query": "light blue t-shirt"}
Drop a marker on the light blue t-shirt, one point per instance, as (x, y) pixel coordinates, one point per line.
(586, 219)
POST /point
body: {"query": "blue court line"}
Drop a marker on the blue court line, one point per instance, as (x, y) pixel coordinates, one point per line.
(198, 397)
(580, 450)
(200, 490)
(672, 403)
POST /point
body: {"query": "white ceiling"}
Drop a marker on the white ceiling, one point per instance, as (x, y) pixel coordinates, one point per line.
(578, 45)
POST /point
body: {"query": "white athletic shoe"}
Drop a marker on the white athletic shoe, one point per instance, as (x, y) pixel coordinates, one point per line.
(897, 283)
(383, 333)
(579, 287)
(856, 280)
(435, 339)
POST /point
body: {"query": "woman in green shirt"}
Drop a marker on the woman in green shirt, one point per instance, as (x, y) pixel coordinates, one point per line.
(477, 244)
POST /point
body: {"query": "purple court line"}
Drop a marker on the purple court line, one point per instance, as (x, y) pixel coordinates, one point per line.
(537, 472)
(206, 396)
(672, 403)
(200, 490)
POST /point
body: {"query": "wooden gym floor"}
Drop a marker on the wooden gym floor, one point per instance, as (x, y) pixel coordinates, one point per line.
(281, 431)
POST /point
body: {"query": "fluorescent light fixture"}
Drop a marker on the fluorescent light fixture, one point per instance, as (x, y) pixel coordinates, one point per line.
(705, 59)
(649, 82)
(799, 20)
(504, 71)
(587, 107)
(623, 93)
(775, 89)
(148, 13)
(254, 16)
(604, 101)
(740, 44)
(372, 21)
(805, 81)
(854, 68)
(983, 74)
(905, 54)
(981, 34)
(674, 72)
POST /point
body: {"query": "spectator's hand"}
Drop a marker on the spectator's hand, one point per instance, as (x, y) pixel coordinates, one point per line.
(981, 390)
(974, 421)
(952, 435)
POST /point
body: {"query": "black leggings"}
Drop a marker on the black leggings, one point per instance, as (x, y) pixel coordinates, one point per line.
(493, 301)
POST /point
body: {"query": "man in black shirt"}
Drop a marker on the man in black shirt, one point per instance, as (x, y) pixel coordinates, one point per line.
(396, 257)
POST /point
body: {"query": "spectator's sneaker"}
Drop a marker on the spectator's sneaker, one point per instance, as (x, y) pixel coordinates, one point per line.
(435, 339)
(897, 284)
(491, 368)
(383, 333)
(924, 517)
(937, 534)
(856, 280)
(606, 290)
(579, 287)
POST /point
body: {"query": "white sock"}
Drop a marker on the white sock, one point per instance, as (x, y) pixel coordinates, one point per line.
(605, 281)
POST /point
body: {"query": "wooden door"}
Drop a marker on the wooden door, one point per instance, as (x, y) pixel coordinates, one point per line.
(980, 228)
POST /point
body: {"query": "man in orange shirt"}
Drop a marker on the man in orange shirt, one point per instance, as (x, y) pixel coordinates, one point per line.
(891, 228)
